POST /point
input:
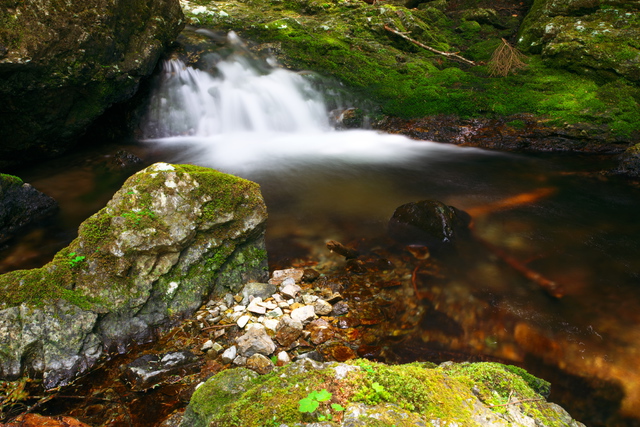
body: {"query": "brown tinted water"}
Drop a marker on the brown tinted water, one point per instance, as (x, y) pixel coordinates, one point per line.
(581, 231)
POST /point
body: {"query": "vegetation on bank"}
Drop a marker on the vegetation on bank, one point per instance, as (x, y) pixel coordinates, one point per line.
(347, 40)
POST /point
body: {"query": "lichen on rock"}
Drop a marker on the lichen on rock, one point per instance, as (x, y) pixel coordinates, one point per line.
(169, 238)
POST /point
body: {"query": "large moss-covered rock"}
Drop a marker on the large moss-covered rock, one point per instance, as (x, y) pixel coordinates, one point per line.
(592, 37)
(63, 63)
(363, 393)
(170, 237)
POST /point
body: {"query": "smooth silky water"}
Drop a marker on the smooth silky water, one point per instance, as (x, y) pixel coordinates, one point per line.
(271, 125)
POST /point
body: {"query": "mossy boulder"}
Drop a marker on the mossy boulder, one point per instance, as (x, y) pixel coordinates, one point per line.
(598, 38)
(364, 393)
(63, 63)
(21, 204)
(172, 236)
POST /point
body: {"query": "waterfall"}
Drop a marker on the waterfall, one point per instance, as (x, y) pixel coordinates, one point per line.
(248, 115)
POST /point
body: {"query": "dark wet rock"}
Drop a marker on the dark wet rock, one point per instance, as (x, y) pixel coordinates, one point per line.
(35, 420)
(430, 223)
(321, 331)
(288, 330)
(124, 160)
(311, 355)
(21, 204)
(310, 275)
(260, 364)
(256, 340)
(629, 163)
(337, 351)
(593, 37)
(169, 239)
(259, 290)
(521, 132)
(65, 63)
(340, 308)
(153, 369)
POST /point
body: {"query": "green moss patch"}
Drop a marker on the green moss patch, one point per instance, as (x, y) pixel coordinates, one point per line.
(347, 40)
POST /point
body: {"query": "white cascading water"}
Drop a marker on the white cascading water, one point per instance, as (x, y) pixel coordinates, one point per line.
(246, 119)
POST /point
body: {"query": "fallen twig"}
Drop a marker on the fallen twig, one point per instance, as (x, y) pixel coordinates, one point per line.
(449, 55)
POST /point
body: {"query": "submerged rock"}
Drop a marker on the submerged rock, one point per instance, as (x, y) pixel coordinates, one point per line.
(152, 369)
(170, 237)
(63, 63)
(430, 223)
(363, 393)
(21, 204)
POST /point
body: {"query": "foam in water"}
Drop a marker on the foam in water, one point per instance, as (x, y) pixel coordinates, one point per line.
(246, 118)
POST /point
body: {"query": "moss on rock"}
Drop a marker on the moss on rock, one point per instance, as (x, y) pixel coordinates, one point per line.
(364, 393)
(171, 236)
(347, 40)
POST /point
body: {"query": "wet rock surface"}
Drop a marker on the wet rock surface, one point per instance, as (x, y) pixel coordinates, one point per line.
(62, 65)
(513, 133)
(152, 370)
(170, 237)
(21, 204)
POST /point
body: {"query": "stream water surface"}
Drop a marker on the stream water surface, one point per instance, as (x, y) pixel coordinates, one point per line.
(553, 214)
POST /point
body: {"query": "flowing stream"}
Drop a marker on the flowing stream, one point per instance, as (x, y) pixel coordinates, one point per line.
(577, 228)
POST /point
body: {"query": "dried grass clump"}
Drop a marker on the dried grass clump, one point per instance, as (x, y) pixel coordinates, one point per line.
(506, 59)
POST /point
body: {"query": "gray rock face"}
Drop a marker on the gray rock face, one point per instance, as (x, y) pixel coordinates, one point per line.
(170, 238)
(21, 204)
(63, 63)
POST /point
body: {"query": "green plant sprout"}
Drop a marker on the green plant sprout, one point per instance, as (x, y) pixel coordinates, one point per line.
(312, 402)
(74, 259)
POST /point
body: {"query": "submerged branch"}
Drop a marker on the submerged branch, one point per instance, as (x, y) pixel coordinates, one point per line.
(449, 55)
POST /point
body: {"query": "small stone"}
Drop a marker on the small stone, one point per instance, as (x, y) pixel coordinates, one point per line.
(216, 319)
(255, 340)
(288, 330)
(240, 361)
(223, 308)
(290, 291)
(228, 300)
(320, 331)
(214, 312)
(256, 306)
(206, 346)
(296, 305)
(309, 299)
(304, 314)
(271, 324)
(242, 321)
(334, 298)
(288, 281)
(239, 308)
(310, 275)
(229, 354)
(237, 298)
(313, 355)
(276, 312)
(283, 358)
(217, 348)
(340, 308)
(257, 290)
(279, 276)
(260, 364)
(322, 308)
